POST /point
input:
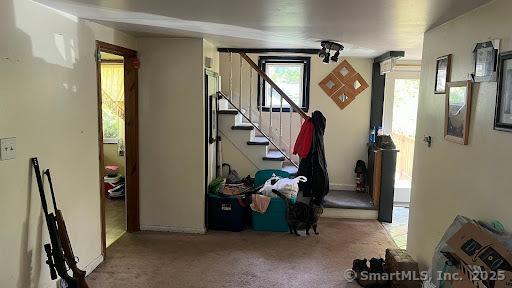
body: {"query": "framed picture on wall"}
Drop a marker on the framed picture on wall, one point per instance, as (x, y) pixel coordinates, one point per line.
(486, 61)
(503, 112)
(443, 70)
(457, 111)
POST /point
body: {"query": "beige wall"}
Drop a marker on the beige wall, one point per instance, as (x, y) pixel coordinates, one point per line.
(111, 157)
(346, 134)
(172, 144)
(210, 51)
(451, 179)
(48, 100)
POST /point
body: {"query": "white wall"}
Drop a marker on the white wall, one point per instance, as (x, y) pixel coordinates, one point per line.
(449, 178)
(172, 144)
(347, 130)
(48, 100)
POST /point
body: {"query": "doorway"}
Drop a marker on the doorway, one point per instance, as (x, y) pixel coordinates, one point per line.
(118, 141)
(399, 121)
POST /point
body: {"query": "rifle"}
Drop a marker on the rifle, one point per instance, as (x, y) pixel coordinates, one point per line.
(56, 261)
(71, 260)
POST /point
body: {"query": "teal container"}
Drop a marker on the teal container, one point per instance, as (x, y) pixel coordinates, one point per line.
(274, 218)
(263, 175)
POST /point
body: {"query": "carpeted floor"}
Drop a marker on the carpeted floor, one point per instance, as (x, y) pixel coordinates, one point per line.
(348, 200)
(246, 259)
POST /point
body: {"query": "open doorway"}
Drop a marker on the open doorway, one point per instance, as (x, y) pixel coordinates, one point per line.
(112, 108)
(118, 141)
(399, 121)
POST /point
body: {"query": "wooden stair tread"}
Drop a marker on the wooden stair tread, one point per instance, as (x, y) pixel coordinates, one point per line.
(258, 141)
(242, 127)
(291, 169)
(228, 112)
(274, 155)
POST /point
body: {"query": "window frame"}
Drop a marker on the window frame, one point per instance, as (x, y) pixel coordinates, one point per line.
(306, 77)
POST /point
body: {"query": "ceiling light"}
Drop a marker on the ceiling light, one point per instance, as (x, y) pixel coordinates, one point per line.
(322, 52)
(330, 45)
(335, 57)
(326, 58)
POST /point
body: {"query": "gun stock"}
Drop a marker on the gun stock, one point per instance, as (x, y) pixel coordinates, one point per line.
(78, 274)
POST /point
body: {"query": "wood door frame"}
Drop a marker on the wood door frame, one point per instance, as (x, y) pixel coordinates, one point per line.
(131, 137)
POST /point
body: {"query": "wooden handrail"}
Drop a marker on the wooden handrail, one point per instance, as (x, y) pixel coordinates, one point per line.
(274, 85)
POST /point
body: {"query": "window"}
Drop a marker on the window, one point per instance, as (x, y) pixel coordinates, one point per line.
(292, 75)
(112, 91)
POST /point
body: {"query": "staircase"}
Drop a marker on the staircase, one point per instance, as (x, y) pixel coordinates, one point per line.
(259, 132)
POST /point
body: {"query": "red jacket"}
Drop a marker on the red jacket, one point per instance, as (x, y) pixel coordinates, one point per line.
(304, 139)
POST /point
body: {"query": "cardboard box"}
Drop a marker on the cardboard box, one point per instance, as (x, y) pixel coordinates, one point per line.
(478, 251)
(397, 260)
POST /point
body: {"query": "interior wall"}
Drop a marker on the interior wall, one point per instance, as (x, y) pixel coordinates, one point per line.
(48, 101)
(210, 51)
(346, 133)
(111, 157)
(172, 144)
(448, 178)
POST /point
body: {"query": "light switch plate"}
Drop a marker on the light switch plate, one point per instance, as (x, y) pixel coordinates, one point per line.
(7, 148)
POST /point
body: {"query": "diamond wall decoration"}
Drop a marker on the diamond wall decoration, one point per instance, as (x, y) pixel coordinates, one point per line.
(330, 84)
(343, 84)
(343, 97)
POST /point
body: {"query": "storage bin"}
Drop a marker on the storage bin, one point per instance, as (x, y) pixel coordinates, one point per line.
(274, 219)
(226, 213)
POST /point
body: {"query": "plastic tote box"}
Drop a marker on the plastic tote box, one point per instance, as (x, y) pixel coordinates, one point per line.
(226, 213)
(274, 219)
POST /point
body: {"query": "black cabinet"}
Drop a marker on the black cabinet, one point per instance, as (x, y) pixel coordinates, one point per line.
(381, 180)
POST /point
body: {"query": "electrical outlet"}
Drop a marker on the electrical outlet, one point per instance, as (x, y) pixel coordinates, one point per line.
(7, 148)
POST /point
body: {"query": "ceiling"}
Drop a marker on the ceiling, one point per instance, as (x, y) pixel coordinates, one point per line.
(366, 28)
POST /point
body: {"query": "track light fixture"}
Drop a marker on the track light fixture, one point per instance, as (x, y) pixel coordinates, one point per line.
(330, 45)
(335, 57)
(326, 57)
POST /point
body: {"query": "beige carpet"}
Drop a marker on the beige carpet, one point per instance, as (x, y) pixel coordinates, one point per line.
(246, 259)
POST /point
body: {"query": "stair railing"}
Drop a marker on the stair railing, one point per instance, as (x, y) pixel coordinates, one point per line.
(274, 88)
(222, 96)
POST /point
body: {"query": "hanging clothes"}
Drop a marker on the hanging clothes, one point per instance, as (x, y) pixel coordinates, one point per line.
(304, 139)
(314, 166)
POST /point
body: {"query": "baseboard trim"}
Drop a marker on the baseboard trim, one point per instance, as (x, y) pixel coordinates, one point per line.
(93, 264)
(344, 187)
(162, 228)
(351, 213)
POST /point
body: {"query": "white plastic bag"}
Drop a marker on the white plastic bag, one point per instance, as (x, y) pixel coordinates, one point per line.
(268, 186)
(289, 187)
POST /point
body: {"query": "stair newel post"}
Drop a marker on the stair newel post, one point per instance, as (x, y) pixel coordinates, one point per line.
(260, 101)
(290, 139)
(240, 94)
(231, 76)
(281, 121)
(270, 111)
(250, 96)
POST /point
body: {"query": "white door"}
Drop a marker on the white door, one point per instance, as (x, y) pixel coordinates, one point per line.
(399, 121)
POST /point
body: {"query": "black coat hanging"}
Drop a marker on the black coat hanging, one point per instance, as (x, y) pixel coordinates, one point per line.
(314, 166)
